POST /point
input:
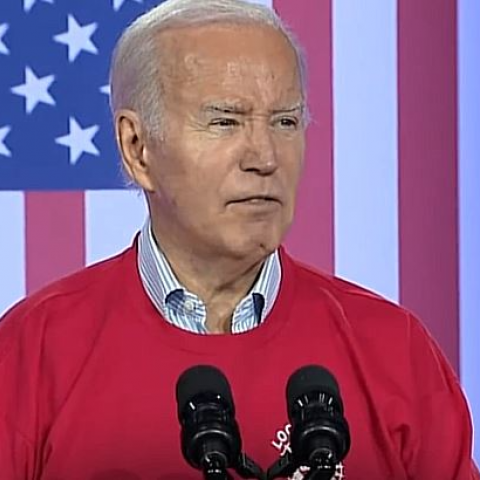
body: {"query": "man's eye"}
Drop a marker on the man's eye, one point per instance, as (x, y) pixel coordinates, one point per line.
(288, 123)
(224, 122)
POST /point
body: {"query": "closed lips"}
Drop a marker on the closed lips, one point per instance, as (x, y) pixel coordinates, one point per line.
(255, 197)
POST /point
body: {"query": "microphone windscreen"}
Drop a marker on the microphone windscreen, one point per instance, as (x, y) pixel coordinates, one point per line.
(311, 378)
(202, 379)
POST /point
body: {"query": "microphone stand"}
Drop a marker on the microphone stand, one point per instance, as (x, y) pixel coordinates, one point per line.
(322, 467)
(215, 468)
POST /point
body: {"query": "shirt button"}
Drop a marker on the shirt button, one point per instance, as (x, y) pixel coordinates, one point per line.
(189, 305)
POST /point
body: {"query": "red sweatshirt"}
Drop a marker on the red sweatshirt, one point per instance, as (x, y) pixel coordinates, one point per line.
(88, 369)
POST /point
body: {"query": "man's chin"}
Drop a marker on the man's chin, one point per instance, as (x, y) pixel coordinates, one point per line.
(254, 249)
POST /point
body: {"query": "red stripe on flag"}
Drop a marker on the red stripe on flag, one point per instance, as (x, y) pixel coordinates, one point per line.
(428, 167)
(55, 236)
(311, 237)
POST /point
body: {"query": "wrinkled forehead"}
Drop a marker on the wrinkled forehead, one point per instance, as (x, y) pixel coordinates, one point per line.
(230, 58)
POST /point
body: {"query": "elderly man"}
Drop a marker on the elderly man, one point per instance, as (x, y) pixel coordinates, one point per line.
(210, 115)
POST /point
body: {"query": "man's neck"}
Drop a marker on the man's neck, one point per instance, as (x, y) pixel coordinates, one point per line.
(221, 283)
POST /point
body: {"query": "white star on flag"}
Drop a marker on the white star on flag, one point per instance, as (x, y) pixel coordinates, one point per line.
(4, 131)
(117, 4)
(105, 89)
(77, 38)
(35, 90)
(28, 4)
(3, 30)
(79, 140)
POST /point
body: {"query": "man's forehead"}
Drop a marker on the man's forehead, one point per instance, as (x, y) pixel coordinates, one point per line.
(252, 66)
(194, 46)
(216, 28)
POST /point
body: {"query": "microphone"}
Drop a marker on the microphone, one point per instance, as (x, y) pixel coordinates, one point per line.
(320, 437)
(210, 436)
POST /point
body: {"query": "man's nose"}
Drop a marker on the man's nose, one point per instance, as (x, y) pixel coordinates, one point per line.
(260, 153)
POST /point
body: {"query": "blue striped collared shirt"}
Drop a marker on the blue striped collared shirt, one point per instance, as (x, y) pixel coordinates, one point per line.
(183, 308)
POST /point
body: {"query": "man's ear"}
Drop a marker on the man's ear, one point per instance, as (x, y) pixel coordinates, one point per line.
(131, 139)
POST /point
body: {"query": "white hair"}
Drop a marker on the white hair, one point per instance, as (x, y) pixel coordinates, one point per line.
(136, 64)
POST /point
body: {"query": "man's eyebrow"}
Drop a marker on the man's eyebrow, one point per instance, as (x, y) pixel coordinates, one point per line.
(239, 109)
(225, 108)
(299, 107)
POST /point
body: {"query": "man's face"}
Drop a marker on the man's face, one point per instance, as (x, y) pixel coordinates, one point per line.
(225, 171)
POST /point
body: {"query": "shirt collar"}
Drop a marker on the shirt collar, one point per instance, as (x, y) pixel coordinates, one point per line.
(169, 296)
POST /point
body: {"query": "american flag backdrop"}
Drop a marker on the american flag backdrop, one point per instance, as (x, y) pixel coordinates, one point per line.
(390, 196)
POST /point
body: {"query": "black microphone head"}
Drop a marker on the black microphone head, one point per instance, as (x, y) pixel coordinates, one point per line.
(319, 432)
(206, 413)
(198, 380)
(312, 378)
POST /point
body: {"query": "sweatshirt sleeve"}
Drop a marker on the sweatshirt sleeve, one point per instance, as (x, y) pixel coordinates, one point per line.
(16, 452)
(18, 396)
(442, 444)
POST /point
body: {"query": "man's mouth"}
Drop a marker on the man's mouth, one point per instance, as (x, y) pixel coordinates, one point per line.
(256, 199)
(256, 204)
